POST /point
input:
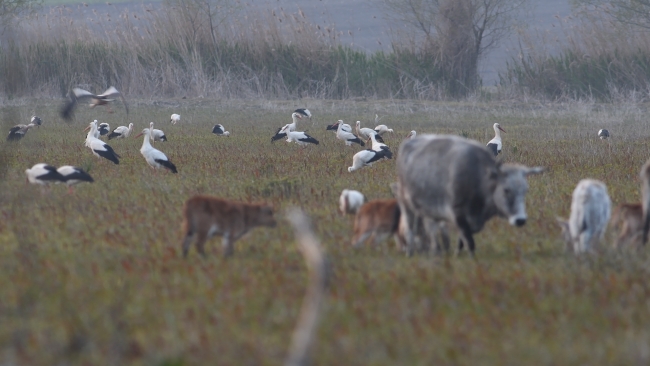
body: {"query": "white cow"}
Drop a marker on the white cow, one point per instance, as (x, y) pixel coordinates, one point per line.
(590, 212)
(444, 178)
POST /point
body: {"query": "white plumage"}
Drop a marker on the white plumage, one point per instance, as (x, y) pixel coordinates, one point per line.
(156, 135)
(366, 158)
(411, 134)
(43, 174)
(365, 133)
(495, 144)
(299, 137)
(121, 132)
(175, 118)
(99, 147)
(282, 131)
(73, 175)
(219, 130)
(344, 132)
(350, 201)
(154, 157)
(382, 129)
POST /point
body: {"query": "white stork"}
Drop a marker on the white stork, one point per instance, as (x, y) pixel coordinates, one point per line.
(74, 175)
(102, 99)
(104, 128)
(43, 174)
(380, 146)
(411, 134)
(300, 138)
(156, 135)
(175, 118)
(37, 121)
(603, 134)
(344, 132)
(304, 111)
(18, 132)
(281, 132)
(495, 144)
(154, 157)
(364, 133)
(121, 132)
(219, 130)
(99, 147)
(366, 158)
(382, 129)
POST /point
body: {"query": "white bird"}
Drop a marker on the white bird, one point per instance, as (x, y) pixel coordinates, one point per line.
(99, 147)
(156, 135)
(219, 130)
(364, 133)
(43, 174)
(350, 201)
(344, 132)
(73, 175)
(382, 129)
(104, 128)
(18, 132)
(37, 121)
(304, 111)
(366, 158)
(175, 118)
(121, 132)
(102, 99)
(154, 157)
(300, 138)
(380, 146)
(279, 134)
(495, 144)
(603, 134)
(411, 134)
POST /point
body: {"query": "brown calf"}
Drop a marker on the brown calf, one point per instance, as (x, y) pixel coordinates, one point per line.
(206, 216)
(377, 220)
(628, 218)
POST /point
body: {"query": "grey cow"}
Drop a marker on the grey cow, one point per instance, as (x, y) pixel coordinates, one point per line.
(443, 178)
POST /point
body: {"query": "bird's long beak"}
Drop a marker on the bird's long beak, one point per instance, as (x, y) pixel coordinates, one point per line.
(87, 128)
(138, 135)
(501, 129)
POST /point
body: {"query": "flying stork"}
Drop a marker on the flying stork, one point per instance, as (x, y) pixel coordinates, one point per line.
(102, 99)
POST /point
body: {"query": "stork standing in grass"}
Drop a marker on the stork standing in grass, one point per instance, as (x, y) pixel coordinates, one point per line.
(121, 132)
(303, 111)
(366, 158)
(43, 174)
(281, 132)
(380, 146)
(102, 99)
(219, 130)
(175, 118)
(104, 128)
(603, 134)
(154, 157)
(74, 175)
(364, 133)
(99, 147)
(156, 135)
(300, 138)
(495, 144)
(18, 132)
(411, 134)
(382, 129)
(344, 132)
(37, 121)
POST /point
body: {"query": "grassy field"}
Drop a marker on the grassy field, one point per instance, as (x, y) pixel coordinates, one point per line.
(96, 278)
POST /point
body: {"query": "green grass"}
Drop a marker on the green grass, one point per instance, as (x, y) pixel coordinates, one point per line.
(97, 277)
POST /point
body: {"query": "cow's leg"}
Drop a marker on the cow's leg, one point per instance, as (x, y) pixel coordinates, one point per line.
(465, 235)
(409, 225)
(186, 243)
(201, 238)
(444, 236)
(228, 245)
(359, 239)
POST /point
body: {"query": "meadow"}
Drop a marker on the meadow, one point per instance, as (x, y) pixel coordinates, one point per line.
(97, 278)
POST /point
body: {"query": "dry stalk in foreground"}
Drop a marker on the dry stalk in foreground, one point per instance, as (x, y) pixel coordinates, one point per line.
(311, 250)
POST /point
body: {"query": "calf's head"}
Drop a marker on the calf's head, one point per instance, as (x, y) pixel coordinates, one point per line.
(510, 193)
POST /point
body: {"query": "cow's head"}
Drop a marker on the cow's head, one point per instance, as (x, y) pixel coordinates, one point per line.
(510, 194)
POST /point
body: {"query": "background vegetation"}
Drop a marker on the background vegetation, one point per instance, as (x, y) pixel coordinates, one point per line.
(97, 278)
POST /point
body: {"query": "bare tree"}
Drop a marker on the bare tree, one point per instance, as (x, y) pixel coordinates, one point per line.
(632, 12)
(459, 31)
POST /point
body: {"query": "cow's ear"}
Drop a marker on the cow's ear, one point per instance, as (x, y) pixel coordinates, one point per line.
(534, 170)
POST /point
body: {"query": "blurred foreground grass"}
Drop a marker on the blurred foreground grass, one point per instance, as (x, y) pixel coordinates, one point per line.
(96, 278)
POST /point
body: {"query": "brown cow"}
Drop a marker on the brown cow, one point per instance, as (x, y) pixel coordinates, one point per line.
(206, 216)
(628, 217)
